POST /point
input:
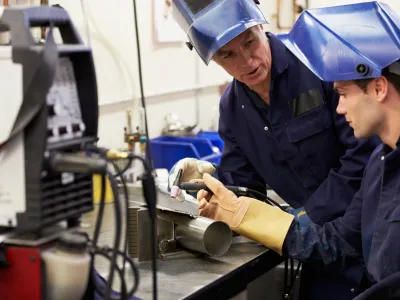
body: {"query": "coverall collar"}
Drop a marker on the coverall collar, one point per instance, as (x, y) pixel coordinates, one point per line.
(390, 158)
(387, 149)
(279, 55)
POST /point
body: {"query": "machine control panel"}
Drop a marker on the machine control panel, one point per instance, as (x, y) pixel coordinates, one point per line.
(64, 111)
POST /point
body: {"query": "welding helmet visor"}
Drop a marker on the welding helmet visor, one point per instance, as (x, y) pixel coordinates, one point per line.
(348, 42)
(210, 24)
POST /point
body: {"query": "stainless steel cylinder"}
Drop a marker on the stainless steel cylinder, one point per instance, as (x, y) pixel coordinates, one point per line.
(200, 234)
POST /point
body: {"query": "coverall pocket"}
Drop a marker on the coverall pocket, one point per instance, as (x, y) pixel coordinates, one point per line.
(309, 124)
(313, 139)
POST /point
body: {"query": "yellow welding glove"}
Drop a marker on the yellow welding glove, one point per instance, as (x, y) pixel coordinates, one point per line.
(249, 217)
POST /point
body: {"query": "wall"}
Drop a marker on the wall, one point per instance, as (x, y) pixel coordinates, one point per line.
(175, 80)
(180, 86)
(395, 4)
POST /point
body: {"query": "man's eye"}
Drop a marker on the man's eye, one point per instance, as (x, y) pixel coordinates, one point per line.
(340, 94)
(249, 42)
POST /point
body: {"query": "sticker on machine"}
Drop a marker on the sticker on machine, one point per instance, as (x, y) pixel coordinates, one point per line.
(67, 178)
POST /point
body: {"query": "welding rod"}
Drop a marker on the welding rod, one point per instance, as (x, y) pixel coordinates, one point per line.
(175, 186)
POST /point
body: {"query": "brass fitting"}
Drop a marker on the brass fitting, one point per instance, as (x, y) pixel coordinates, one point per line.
(116, 154)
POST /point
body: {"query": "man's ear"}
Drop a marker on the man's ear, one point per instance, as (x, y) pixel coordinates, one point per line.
(381, 88)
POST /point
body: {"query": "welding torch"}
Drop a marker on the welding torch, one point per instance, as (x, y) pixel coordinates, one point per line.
(238, 190)
(197, 186)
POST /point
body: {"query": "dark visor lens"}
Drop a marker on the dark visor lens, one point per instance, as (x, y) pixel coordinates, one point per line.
(196, 6)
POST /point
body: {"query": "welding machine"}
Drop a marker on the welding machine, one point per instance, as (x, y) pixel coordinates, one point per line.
(49, 106)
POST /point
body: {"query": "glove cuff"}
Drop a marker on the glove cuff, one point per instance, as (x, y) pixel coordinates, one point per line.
(265, 224)
(301, 216)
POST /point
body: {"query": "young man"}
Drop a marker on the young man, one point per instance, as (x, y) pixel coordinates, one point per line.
(279, 127)
(363, 61)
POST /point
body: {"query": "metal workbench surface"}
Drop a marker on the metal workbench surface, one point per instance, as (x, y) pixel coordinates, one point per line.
(187, 275)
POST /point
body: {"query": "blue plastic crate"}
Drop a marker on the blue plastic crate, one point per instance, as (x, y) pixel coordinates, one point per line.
(166, 151)
(213, 136)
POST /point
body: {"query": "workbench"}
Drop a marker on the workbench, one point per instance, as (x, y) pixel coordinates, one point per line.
(191, 275)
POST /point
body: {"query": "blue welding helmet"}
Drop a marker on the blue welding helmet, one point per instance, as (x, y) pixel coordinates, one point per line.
(347, 42)
(210, 24)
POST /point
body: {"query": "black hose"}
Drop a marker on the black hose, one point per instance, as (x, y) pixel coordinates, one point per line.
(265, 198)
(105, 253)
(120, 172)
(101, 211)
(117, 238)
(150, 195)
(126, 195)
(123, 284)
(148, 149)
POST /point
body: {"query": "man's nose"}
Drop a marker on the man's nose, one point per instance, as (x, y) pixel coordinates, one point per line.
(245, 58)
(341, 109)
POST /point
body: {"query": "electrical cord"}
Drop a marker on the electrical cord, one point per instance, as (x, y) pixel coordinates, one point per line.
(264, 197)
(106, 253)
(148, 150)
(87, 30)
(150, 195)
(238, 190)
(99, 215)
(149, 192)
(70, 162)
(117, 236)
(125, 189)
(124, 255)
(118, 59)
(287, 288)
(96, 234)
(119, 172)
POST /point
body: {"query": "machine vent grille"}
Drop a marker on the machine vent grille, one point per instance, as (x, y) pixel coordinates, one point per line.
(62, 201)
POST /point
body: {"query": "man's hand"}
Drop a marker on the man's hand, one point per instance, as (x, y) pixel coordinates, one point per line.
(192, 171)
(223, 205)
(249, 217)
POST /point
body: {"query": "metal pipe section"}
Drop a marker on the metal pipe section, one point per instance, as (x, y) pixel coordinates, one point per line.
(200, 234)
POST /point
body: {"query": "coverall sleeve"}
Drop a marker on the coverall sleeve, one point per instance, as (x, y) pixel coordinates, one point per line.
(333, 240)
(234, 168)
(336, 192)
(388, 289)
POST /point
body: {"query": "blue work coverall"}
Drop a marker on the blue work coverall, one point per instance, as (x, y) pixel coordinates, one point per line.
(92, 293)
(301, 148)
(370, 226)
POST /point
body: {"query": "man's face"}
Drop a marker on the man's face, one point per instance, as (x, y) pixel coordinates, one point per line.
(247, 57)
(360, 108)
